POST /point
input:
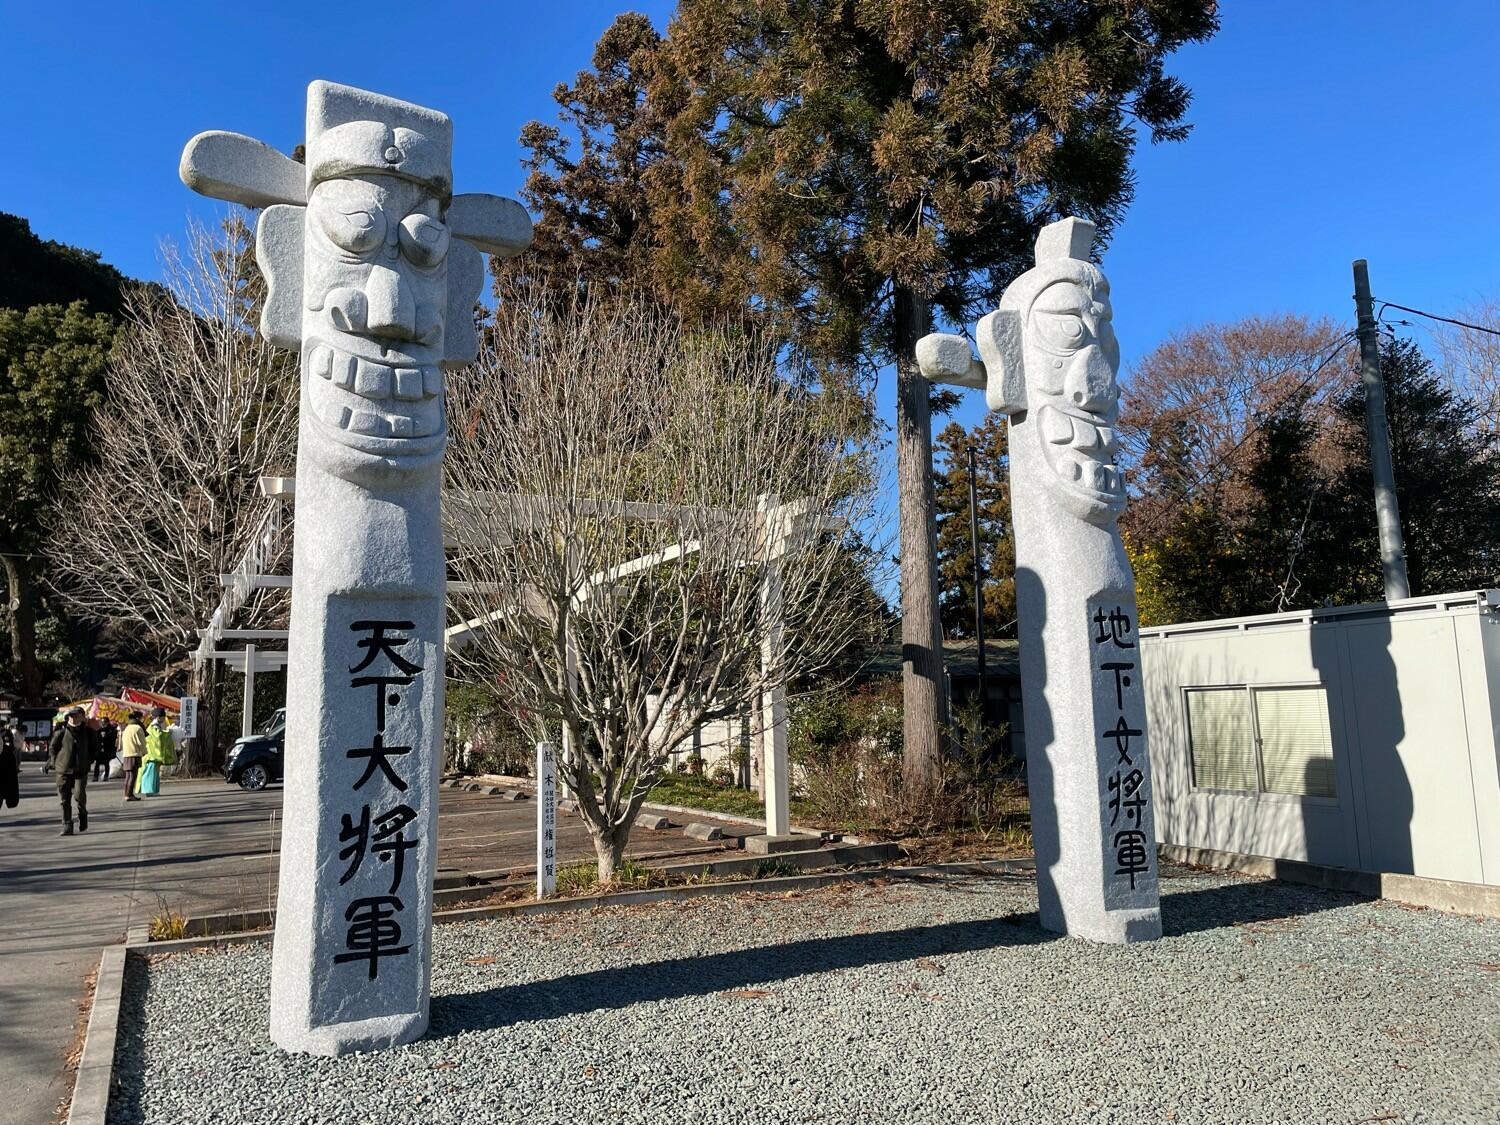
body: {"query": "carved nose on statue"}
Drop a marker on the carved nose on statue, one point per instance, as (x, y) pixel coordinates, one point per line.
(390, 308)
(1091, 382)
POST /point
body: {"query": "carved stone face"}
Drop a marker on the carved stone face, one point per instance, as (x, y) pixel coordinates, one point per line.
(375, 297)
(1071, 358)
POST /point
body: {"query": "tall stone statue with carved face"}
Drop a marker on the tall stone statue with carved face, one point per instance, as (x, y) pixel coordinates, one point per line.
(373, 268)
(1049, 360)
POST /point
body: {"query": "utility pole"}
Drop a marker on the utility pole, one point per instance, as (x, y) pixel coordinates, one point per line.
(978, 579)
(1387, 513)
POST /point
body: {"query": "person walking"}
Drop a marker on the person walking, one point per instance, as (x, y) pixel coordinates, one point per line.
(10, 763)
(71, 754)
(132, 750)
(161, 751)
(104, 751)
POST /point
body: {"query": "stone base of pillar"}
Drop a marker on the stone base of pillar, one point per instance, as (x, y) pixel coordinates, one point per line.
(345, 1038)
(774, 845)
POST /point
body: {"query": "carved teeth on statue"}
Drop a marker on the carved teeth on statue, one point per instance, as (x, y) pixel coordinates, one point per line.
(343, 370)
(322, 363)
(1056, 427)
(408, 383)
(344, 414)
(432, 381)
(373, 425)
(372, 380)
(1107, 440)
(1074, 468)
(401, 426)
(1085, 434)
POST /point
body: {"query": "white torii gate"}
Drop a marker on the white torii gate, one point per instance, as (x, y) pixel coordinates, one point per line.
(783, 526)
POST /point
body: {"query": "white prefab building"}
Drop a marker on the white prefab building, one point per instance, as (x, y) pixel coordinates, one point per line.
(1365, 737)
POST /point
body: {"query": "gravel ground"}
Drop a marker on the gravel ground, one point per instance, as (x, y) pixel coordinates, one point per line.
(893, 1002)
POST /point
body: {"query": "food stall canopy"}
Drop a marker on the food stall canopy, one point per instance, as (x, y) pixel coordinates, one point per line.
(117, 708)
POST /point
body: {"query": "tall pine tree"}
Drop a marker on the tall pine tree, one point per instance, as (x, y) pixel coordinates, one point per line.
(837, 168)
(1447, 469)
(955, 545)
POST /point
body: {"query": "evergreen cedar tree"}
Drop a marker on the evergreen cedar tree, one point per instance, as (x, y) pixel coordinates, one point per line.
(954, 547)
(58, 309)
(835, 169)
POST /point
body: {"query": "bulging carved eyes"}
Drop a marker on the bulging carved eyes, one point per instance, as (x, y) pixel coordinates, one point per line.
(356, 229)
(424, 240)
(1061, 330)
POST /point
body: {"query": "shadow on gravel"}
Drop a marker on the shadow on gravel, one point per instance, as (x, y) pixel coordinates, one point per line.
(1211, 908)
(720, 972)
(127, 1086)
(1183, 912)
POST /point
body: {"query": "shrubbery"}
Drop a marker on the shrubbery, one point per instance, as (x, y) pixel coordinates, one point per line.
(848, 747)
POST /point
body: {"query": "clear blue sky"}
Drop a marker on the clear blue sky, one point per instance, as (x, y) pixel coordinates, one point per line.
(1325, 130)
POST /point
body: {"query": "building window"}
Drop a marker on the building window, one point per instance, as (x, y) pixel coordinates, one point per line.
(1261, 740)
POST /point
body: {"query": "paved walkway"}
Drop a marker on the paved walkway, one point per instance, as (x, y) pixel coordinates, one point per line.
(200, 847)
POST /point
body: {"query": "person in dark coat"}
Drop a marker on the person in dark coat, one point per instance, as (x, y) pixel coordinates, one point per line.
(71, 754)
(10, 764)
(104, 750)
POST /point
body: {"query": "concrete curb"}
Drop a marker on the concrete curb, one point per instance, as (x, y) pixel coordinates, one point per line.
(683, 810)
(96, 1065)
(628, 898)
(482, 884)
(749, 821)
(1412, 890)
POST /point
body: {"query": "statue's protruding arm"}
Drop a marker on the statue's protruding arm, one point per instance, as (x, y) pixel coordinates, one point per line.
(241, 169)
(495, 225)
(944, 358)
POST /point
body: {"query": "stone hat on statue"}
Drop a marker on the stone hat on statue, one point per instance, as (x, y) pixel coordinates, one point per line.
(352, 131)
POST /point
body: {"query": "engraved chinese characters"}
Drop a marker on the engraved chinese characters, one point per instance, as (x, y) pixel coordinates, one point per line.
(1120, 710)
(379, 831)
(1049, 359)
(373, 267)
(546, 820)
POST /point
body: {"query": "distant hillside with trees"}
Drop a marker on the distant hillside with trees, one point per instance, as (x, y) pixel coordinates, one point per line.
(38, 271)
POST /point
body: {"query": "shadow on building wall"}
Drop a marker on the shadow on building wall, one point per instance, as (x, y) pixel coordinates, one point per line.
(1356, 662)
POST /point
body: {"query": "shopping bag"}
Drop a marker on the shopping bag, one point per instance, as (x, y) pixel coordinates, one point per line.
(116, 769)
(148, 785)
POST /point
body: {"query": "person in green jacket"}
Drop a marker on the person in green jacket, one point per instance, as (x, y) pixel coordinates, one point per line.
(71, 755)
(160, 748)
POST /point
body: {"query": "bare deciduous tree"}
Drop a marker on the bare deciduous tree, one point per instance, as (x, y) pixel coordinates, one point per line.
(1194, 408)
(1471, 360)
(654, 531)
(198, 406)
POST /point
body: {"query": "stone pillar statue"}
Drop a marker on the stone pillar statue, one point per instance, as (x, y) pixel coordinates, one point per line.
(373, 267)
(1049, 361)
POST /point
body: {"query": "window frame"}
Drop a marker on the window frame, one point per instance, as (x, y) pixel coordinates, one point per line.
(1260, 792)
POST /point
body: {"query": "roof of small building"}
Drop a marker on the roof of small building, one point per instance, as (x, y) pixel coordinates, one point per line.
(961, 658)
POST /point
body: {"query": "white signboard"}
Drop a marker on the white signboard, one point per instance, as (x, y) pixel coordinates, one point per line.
(546, 820)
(187, 716)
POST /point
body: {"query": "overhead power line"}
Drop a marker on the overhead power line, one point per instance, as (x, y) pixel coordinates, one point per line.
(1255, 426)
(1445, 319)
